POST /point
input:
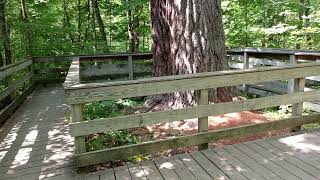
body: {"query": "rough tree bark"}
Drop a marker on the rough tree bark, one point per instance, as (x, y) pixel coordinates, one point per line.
(96, 11)
(188, 37)
(27, 33)
(1, 59)
(133, 15)
(66, 19)
(4, 34)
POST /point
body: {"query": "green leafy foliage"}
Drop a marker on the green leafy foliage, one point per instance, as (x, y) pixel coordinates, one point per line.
(105, 109)
(109, 140)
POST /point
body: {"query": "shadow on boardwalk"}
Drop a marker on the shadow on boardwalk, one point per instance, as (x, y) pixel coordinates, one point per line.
(38, 145)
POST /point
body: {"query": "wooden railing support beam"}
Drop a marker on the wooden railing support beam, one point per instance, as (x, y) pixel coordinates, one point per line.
(130, 65)
(246, 65)
(203, 121)
(77, 116)
(296, 85)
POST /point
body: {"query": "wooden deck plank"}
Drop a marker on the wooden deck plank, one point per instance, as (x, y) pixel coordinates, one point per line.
(280, 161)
(208, 166)
(268, 163)
(122, 173)
(107, 175)
(238, 165)
(310, 170)
(194, 167)
(181, 170)
(151, 171)
(136, 172)
(223, 165)
(166, 169)
(48, 154)
(308, 157)
(261, 170)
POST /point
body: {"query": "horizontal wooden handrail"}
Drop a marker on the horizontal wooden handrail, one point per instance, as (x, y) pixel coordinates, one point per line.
(13, 68)
(82, 93)
(95, 157)
(13, 86)
(144, 119)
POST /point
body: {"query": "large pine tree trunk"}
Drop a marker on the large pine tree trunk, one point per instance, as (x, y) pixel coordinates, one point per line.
(188, 37)
(4, 35)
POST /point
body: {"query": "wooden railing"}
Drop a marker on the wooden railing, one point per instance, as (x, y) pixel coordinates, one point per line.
(17, 82)
(77, 94)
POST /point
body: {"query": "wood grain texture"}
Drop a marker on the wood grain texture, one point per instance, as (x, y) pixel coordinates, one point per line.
(15, 85)
(113, 69)
(117, 153)
(13, 68)
(83, 93)
(203, 121)
(144, 119)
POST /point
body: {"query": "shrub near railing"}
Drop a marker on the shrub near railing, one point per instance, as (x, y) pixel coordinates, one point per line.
(77, 94)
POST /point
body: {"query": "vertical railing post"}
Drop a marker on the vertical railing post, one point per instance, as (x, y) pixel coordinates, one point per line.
(130, 66)
(77, 116)
(246, 65)
(296, 85)
(203, 121)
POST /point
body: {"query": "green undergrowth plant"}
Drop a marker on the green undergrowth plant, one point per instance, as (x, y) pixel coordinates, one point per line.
(107, 109)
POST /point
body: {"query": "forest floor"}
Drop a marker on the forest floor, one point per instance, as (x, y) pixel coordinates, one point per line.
(181, 128)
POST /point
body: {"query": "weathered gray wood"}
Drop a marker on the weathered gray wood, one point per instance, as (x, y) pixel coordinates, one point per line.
(114, 69)
(90, 58)
(293, 60)
(122, 173)
(73, 77)
(13, 68)
(246, 64)
(166, 169)
(136, 171)
(208, 166)
(180, 168)
(107, 175)
(310, 157)
(279, 161)
(194, 167)
(150, 170)
(261, 170)
(224, 165)
(10, 109)
(276, 53)
(77, 116)
(203, 122)
(95, 157)
(15, 85)
(303, 167)
(298, 86)
(82, 93)
(144, 119)
(243, 168)
(268, 163)
(130, 67)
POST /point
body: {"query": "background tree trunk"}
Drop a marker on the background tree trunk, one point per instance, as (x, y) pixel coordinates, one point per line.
(133, 14)
(1, 59)
(188, 38)
(4, 34)
(96, 11)
(27, 34)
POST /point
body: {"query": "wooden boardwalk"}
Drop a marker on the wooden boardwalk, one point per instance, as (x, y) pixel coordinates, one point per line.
(38, 146)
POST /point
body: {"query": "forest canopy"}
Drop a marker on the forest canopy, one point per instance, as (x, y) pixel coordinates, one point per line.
(63, 27)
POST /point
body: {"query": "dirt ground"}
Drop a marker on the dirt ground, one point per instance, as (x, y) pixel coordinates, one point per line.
(215, 122)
